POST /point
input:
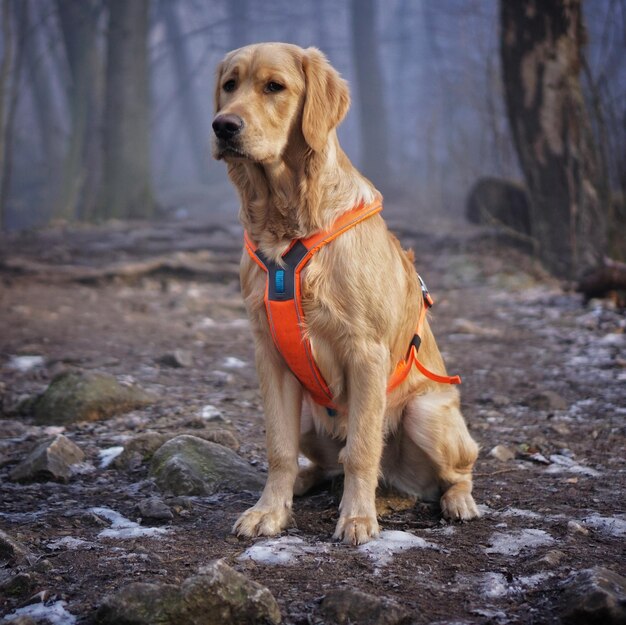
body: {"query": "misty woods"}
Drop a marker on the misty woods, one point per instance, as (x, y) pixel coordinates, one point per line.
(105, 108)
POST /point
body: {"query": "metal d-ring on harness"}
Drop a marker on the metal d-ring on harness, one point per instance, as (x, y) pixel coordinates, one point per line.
(283, 305)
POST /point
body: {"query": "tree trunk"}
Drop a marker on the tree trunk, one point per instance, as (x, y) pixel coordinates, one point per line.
(541, 43)
(41, 86)
(369, 82)
(5, 72)
(127, 188)
(21, 20)
(191, 118)
(79, 20)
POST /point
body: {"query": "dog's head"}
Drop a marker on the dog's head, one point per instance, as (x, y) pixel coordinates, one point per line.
(270, 95)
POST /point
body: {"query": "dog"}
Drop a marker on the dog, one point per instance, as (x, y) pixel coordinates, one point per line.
(277, 109)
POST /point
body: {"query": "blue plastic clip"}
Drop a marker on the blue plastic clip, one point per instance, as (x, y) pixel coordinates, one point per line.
(331, 412)
(279, 280)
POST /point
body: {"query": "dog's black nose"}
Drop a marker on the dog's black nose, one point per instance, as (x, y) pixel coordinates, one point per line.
(227, 126)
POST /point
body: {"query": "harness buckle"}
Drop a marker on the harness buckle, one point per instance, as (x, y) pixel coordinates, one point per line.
(425, 293)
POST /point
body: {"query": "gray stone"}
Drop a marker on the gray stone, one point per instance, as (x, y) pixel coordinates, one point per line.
(187, 465)
(217, 595)
(594, 596)
(12, 551)
(51, 460)
(138, 450)
(502, 453)
(346, 605)
(547, 400)
(179, 358)
(154, 508)
(80, 396)
(17, 585)
(9, 428)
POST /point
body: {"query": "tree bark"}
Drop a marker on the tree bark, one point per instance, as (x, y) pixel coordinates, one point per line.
(5, 72)
(541, 48)
(79, 20)
(127, 187)
(191, 118)
(369, 82)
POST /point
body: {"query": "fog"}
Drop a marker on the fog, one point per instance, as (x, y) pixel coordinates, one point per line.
(441, 127)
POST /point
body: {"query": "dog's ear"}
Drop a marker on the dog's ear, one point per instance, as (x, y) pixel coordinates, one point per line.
(218, 85)
(326, 99)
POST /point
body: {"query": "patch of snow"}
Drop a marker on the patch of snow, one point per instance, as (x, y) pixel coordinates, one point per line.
(210, 413)
(68, 542)
(82, 468)
(513, 544)
(520, 512)
(613, 339)
(613, 526)
(562, 463)
(532, 581)
(493, 585)
(53, 430)
(25, 363)
(108, 455)
(284, 550)
(55, 613)
(231, 362)
(382, 549)
(207, 322)
(124, 528)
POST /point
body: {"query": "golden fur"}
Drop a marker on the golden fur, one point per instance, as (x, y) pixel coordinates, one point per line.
(293, 179)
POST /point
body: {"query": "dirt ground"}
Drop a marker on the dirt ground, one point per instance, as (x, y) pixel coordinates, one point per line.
(544, 374)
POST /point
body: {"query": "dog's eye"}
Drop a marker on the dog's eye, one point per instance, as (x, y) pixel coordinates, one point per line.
(229, 86)
(273, 87)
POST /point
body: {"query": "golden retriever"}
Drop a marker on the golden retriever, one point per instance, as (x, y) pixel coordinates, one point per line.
(277, 109)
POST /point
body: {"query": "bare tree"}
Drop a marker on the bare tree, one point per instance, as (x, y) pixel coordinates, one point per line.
(78, 20)
(374, 147)
(541, 47)
(191, 117)
(5, 70)
(127, 188)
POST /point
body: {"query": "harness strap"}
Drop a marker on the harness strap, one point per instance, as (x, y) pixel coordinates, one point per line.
(283, 305)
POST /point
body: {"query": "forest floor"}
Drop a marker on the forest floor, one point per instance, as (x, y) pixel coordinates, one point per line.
(544, 374)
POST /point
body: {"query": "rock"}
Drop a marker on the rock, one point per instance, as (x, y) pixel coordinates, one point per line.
(179, 358)
(188, 465)
(221, 437)
(154, 508)
(346, 605)
(17, 585)
(10, 428)
(552, 557)
(502, 453)
(573, 527)
(22, 619)
(78, 396)
(388, 502)
(595, 595)
(547, 400)
(51, 460)
(217, 595)
(12, 552)
(138, 450)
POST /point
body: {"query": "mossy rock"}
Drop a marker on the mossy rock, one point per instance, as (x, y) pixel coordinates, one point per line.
(217, 595)
(79, 396)
(188, 465)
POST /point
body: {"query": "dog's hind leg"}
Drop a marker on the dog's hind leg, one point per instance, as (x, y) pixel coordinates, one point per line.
(435, 424)
(323, 452)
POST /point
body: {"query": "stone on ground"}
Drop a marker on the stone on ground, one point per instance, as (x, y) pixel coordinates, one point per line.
(12, 551)
(80, 396)
(217, 595)
(154, 508)
(595, 595)
(139, 449)
(51, 460)
(187, 465)
(346, 605)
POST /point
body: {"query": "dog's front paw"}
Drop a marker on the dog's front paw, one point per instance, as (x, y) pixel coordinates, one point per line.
(262, 522)
(356, 530)
(458, 505)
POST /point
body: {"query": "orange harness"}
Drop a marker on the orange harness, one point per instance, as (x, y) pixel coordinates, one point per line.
(283, 304)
